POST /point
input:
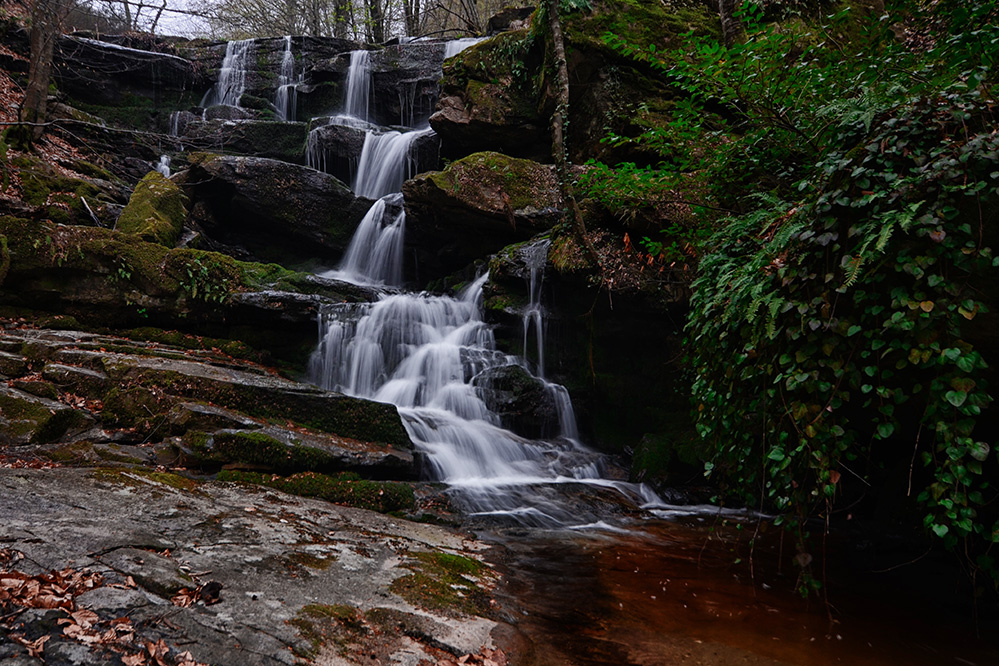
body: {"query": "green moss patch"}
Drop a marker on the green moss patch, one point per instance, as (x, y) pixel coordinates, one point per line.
(347, 489)
(444, 582)
(311, 561)
(156, 210)
(61, 197)
(255, 448)
(325, 625)
(641, 22)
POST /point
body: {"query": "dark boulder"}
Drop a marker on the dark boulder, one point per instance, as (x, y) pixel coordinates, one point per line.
(130, 86)
(524, 403)
(486, 103)
(278, 211)
(509, 18)
(255, 138)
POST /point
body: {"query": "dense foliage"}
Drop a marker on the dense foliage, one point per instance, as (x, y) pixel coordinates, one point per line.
(837, 320)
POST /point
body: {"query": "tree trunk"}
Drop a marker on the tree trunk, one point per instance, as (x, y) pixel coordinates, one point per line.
(341, 18)
(729, 25)
(560, 151)
(376, 21)
(46, 21)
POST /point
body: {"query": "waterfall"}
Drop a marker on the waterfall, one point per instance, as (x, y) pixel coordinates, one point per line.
(175, 117)
(421, 353)
(163, 166)
(386, 161)
(374, 255)
(286, 98)
(232, 76)
(535, 256)
(434, 356)
(358, 98)
(456, 46)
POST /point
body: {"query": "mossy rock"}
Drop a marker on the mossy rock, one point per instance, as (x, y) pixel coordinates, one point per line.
(29, 419)
(475, 207)
(490, 99)
(346, 488)
(446, 583)
(261, 450)
(60, 197)
(641, 23)
(156, 210)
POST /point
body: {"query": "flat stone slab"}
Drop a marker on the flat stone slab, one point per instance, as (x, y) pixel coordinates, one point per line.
(276, 557)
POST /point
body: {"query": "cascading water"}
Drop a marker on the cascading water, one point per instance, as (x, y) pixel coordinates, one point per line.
(232, 76)
(422, 353)
(386, 162)
(534, 256)
(374, 255)
(286, 98)
(456, 46)
(358, 98)
(435, 358)
(163, 166)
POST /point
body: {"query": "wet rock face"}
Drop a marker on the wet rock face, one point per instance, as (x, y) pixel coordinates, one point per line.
(104, 73)
(487, 103)
(404, 81)
(255, 138)
(276, 211)
(521, 400)
(475, 207)
(618, 355)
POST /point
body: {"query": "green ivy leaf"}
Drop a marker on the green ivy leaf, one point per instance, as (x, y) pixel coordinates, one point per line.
(956, 398)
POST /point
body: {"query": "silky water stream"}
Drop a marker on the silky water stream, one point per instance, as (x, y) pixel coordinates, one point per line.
(605, 571)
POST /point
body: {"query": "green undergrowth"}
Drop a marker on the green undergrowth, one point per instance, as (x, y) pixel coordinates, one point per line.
(839, 169)
(346, 488)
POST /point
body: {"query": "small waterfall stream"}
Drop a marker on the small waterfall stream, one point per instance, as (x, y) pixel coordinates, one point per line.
(231, 83)
(286, 97)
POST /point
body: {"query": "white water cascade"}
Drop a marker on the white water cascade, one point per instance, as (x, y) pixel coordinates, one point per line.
(358, 98)
(435, 359)
(423, 354)
(386, 162)
(232, 76)
(456, 46)
(163, 166)
(286, 98)
(374, 256)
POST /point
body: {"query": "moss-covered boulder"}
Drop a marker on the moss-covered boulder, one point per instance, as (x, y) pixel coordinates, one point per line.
(489, 99)
(277, 211)
(279, 449)
(110, 279)
(166, 381)
(30, 419)
(475, 207)
(156, 210)
(56, 194)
